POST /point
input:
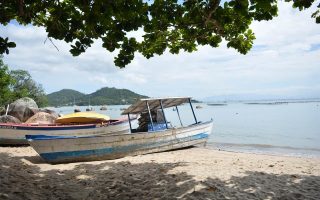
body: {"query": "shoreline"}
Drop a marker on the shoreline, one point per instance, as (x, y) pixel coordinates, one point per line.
(270, 154)
(265, 149)
(193, 173)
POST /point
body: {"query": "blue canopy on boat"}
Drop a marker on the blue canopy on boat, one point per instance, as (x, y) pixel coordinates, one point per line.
(154, 103)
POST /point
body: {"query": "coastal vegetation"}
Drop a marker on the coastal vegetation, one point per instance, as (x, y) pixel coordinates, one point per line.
(15, 84)
(103, 96)
(164, 25)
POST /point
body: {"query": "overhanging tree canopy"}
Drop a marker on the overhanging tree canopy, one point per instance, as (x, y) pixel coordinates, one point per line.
(167, 24)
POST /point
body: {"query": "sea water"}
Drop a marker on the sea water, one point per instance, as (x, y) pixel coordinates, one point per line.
(287, 129)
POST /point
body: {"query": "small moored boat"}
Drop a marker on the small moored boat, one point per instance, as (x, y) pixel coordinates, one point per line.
(76, 124)
(154, 134)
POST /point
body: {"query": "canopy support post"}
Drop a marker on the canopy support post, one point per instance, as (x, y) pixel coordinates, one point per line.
(7, 109)
(150, 115)
(178, 115)
(130, 123)
(164, 116)
(192, 111)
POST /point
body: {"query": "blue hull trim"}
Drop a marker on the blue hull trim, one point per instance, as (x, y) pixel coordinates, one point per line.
(56, 156)
(47, 137)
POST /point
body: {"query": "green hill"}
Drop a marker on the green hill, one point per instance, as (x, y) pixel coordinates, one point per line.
(64, 97)
(103, 96)
(114, 96)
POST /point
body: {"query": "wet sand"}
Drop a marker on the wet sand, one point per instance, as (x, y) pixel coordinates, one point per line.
(194, 173)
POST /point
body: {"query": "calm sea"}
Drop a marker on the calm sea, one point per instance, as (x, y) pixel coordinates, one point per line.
(287, 129)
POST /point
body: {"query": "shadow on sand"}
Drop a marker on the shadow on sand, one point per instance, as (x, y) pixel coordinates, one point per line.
(124, 180)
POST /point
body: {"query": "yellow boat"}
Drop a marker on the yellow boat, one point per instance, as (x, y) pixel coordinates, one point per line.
(83, 117)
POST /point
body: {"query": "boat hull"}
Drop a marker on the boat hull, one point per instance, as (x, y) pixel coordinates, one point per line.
(14, 134)
(64, 150)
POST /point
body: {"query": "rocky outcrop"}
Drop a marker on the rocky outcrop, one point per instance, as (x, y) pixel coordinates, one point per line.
(9, 119)
(42, 118)
(25, 101)
(26, 110)
(51, 112)
(23, 108)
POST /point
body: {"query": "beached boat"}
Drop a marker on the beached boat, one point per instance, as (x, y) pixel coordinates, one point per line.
(154, 134)
(14, 134)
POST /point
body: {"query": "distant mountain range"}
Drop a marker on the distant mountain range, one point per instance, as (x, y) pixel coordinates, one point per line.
(256, 97)
(103, 96)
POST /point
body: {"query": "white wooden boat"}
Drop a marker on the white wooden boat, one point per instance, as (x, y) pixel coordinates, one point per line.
(159, 137)
(14, 134)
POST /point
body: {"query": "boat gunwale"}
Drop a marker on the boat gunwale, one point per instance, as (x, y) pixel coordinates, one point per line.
(49, 126)
(152, 133)
(44, 125)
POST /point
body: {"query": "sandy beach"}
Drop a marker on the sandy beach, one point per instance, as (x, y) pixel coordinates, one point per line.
(194, 173)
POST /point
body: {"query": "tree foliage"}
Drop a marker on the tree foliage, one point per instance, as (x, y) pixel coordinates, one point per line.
(16, 84)
(5, 82)
(24, 86)
(166, 24)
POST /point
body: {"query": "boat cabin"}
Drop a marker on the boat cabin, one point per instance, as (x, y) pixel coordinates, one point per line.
(151, 111)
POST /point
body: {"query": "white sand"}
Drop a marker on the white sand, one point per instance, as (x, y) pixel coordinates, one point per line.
(185, 174)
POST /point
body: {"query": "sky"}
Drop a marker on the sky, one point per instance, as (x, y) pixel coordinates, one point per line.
(284, 63)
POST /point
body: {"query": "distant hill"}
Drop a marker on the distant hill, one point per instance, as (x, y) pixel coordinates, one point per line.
(256, 97)
(114, 96)
(64, 97)
(103, 96)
